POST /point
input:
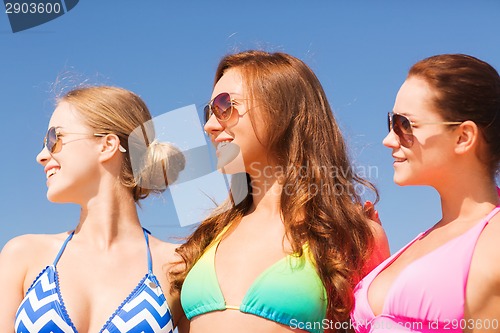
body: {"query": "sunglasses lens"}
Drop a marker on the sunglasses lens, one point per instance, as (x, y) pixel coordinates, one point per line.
(207, 112)
(51, 140)
(402, 127)
(222, 107)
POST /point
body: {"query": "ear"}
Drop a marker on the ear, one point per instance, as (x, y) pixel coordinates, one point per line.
(110, 147)
(468, 135)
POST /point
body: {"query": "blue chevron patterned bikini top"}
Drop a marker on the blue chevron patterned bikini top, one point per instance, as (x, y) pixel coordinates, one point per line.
(144, 310)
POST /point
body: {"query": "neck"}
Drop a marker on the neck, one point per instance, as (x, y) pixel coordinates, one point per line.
(467, 198)
(109, 217)
(266, 192)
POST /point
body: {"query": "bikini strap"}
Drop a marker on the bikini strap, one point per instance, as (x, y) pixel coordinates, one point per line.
(150, 261)
(495, 210)
(62, 248)
(491, 214)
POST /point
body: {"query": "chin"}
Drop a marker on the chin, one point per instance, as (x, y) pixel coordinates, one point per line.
(57, 196)
(56, 199)
(401, 181)
(407, 181)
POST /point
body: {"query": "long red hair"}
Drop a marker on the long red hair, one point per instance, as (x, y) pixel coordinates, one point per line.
(301, 131)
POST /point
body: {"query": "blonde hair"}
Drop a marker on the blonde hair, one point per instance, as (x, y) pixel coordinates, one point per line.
(113, 110)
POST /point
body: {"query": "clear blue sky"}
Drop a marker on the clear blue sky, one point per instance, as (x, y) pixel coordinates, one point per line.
(167, 52)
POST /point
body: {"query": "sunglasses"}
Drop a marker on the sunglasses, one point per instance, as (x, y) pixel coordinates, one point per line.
(54, 143)
(403, 127)
(222, 106)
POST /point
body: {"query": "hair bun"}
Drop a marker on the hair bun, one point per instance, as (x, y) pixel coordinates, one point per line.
(160, 167)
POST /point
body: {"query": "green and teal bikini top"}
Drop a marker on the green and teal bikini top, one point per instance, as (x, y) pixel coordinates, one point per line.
(289, 292)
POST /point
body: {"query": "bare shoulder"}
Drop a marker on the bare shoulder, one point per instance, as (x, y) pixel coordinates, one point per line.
(484, 265)
(23, 257)
(164, 255)
(161, 250)
(483, 284)
(487, 249)
(24, 246)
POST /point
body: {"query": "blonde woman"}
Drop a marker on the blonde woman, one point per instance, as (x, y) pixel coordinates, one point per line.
(108, 274)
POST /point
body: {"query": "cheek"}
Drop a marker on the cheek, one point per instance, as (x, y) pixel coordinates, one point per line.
(401, 173)
(72, 182)
(81, 170)
(256, 123)
(252, 139)
(261, 135)
(253, 149)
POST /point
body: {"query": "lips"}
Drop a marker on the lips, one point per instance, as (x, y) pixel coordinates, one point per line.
(49, 172)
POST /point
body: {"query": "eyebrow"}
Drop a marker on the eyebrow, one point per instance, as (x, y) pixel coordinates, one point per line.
(409, 115)
(231, 94)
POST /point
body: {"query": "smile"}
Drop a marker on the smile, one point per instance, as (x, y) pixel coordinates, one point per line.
(51, 172)
(222, 144)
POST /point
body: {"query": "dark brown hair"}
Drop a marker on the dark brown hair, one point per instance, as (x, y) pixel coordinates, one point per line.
(300, 131)
(466, 88)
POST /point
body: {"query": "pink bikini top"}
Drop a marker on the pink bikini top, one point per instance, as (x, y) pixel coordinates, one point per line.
(428, 295)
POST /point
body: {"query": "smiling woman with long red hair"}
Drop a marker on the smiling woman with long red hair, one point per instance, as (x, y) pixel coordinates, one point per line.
(289, 254)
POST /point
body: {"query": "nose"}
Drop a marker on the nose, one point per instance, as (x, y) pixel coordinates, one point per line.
(43, 156)
(391, 140)
(213, 127)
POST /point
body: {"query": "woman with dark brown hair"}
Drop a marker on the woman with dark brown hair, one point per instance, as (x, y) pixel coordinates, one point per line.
(287, 256)
(444, 132)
